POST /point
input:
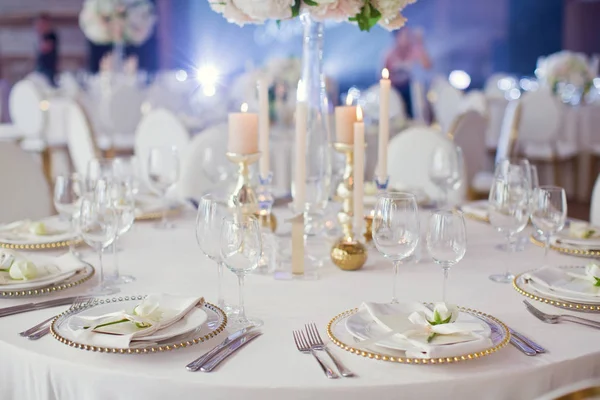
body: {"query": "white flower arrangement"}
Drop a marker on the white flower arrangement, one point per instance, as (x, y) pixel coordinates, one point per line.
(114, 21)
(365, 13)
(566, 67)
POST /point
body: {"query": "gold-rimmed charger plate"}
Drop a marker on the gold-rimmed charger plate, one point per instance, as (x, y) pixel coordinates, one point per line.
(215, 324)
(567, 250)
(336, 330)
(154, 215)
(82, 275)
(41, 246)
(520, 285)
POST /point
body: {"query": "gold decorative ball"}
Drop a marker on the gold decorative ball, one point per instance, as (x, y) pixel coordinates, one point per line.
(348, 255)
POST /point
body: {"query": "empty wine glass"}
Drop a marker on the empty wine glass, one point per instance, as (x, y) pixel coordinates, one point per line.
(241, 249)
(211, 212)
(395, 229)
(123, 203)
(549, 212)
(446, 240)
(163, 173)
(98, 168)
(446, 169)
(509, 210)
(97, 222)
(68, 190)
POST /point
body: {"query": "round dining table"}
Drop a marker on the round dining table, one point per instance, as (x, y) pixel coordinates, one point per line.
(270, 367)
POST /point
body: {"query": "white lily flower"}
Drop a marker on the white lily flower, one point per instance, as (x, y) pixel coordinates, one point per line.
(444, 314)
(149, 310)
(592, 271)
(22, 269)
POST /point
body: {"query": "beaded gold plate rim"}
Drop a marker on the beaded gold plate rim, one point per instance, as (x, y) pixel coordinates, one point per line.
(566, 250)
(147, 350)
(41, 246)
(418, 361)
(153, 215)
(568, 305)
(87, 272)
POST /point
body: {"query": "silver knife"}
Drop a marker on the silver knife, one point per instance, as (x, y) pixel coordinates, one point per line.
(235, 346)
(36, 306)
(199, 362)
(528, 342)
(519, 344)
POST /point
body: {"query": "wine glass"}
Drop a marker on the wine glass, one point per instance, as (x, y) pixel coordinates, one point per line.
(549, 212)
(98, 168)
(509, 210)
(97, 222)
(446, 240)
(241, 250)
(68, 190)
(446, 169)
(163, 173)
(211, 212)
(123, 203)
(396, 230)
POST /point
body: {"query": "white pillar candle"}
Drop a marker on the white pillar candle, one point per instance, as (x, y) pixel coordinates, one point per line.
(345, 117)
(384, 123)
(243, 132)
(263, 126)
(359, 171)
(300, 149)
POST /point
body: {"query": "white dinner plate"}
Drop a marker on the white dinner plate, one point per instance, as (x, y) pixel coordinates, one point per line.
(51, 271)
(11, 234)
(544, 291)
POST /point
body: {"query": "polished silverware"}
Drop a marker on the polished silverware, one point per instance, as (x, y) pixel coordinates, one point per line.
(36, 306)
(44, 328)
(40, 334)
(37, 327)
(553, 319)
(232, 348)
(197, 363)
(522, 346)
(303, 347)
(538, 349)
(316, 342)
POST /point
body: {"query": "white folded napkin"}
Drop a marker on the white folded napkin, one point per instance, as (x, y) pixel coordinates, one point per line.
(580, 234)
(155, 312)
(566, 282)
(48, 270)
(476, 208)
(49, 229)
(410, 325)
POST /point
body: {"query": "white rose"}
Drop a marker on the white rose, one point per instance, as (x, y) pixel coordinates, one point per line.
(390, 9)
(444, 314)
(231, 12)
(393, 24)
(22, 269)
(335, 10)
(265, 9)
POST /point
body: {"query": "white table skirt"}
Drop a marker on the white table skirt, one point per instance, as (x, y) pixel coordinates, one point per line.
(271, 367)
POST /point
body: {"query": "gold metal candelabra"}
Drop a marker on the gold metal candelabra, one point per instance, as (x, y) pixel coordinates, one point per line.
(244, 194)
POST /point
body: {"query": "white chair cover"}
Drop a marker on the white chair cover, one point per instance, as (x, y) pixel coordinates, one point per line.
(474, 100)
(369, 101)
(160, 128)
(409, 156)
(492, 89)
(446, 105)
(469, 135)
(125, 110)
(25, 107)
(595, 204)
(82, 147)
(211, 143)
(28, 195)
(496, 109)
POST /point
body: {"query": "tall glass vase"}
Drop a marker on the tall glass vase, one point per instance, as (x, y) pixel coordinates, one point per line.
(118, 56)
(318, 144)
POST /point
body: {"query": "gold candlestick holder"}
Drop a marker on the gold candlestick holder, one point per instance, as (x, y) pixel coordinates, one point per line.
(348, 253)
(244, 193)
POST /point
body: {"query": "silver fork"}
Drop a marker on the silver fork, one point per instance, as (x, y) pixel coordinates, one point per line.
(316, 343)
(554, 319)
(43, 328)
(303, 347)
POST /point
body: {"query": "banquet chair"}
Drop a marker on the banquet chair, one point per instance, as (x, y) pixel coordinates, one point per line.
(595, 203)
(206, 148)
(125, 111)
(539, 128)
(496, 110)
(409, 156)
(468, 132)
(492, 88)
(24, 182)
(482, 181)
(160, 128)
(474, 100)
(590, 122)
(445, 100)
(80, 138)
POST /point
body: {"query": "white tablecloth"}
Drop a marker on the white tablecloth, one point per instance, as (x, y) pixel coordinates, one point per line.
(271, 367)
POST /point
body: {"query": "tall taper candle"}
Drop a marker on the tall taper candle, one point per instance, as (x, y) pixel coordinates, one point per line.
(300, 150)
(243, 132)
(345, 117)
(263, 126)
(359, 171)
(384, 123)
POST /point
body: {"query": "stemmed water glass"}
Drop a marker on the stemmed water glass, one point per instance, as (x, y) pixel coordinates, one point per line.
(68, 190)
(98, 168)
(241, 249)
(549, 212)
(446, 240)
(123, 203)
(163, 173)
(396, 229)
(211, 212)
(97, 222)
(446, 169)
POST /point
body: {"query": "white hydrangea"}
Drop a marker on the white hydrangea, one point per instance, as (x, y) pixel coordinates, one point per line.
(390, 9)
(335, 10)
(265, 9)
(392, 24)
(231, 12)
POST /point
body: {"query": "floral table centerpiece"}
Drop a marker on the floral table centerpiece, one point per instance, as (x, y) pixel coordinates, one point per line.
(568, 74)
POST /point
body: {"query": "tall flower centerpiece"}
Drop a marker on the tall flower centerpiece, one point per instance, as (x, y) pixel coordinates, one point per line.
(117, 22)
(569, 75)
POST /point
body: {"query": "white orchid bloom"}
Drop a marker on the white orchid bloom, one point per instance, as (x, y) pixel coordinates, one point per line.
(444, 314)
(592, 271)
(22, 270)
(149, 311)
(38, 228)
